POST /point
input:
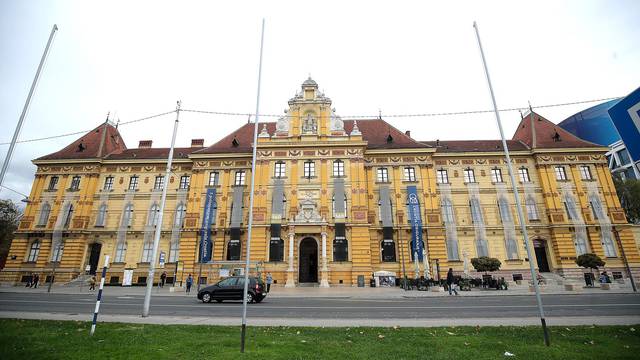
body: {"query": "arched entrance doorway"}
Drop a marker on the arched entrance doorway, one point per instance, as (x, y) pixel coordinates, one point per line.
(94, 257)
(540, 247)
(308, 261)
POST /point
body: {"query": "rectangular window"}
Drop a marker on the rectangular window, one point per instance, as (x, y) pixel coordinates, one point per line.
(108, 183)
(532, 209)
(409, 174)
(524, 175)
(239, 178)
(383, 175)
(34, 251)
(585, 173)
(624, 157)
(53, 182)
(184, 182)
(133, 182)
(496, 175)
(75, 183)
(442, 177)
(561, 174)
(279, 170)
(338, 168)
(566, 208)
(469, 176)
(214, 178)
(159, 183)
(309, 169)
(147, 251)
(121, 250)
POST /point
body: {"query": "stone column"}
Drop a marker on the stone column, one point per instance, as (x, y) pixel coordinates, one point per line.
(324, 282)
(290, 272)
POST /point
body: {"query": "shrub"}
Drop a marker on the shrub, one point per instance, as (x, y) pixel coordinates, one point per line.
(486, 264)
(589, 261)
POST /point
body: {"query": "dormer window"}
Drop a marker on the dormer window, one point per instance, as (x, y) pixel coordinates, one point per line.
(235, 142)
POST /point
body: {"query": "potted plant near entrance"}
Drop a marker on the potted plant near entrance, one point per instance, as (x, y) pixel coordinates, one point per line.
(486, 264)
(589, 261)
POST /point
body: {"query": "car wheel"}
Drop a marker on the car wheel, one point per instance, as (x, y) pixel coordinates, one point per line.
(218, 300)
(249, 298)
(206, 297)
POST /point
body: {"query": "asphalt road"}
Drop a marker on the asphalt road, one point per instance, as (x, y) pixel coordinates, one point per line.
(333, 308)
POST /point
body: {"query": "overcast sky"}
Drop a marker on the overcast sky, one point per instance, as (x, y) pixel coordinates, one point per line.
(135, 59)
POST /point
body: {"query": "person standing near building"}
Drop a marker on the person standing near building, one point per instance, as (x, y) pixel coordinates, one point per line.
(36, 279)
(29, 280)
(189, 283)
(92, 283)
(269, 281)
(163, 278)
(451, 282)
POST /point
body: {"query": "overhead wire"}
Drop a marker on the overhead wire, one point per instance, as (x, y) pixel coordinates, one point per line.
(226, 113)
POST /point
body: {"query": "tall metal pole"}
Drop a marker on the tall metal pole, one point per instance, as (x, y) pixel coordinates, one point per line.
(521, 219)
(25, 109)
(156, 240)
(624, 258)
(253, 184)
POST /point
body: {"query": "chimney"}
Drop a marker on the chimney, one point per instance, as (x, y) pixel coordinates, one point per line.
(197, 143)
(408, 133)
(145, 144)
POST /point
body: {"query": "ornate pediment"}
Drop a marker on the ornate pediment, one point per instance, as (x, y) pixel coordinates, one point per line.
(308, 210)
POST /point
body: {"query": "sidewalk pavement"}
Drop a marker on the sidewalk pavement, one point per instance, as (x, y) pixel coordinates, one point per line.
(258, 321)
(315, 292)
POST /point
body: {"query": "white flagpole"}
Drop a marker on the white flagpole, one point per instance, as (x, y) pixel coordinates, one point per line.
(25, 109)
(253, 182)
(521, 219)
(156, 240)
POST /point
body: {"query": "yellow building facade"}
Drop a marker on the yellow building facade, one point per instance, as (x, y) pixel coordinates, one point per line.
(334, 201)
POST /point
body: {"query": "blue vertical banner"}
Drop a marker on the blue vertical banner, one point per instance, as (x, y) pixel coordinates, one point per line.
(413, 208)
(206, 245)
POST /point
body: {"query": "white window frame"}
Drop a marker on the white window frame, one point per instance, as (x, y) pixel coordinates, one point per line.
(101, 218)
(309, 169)
(178, 219)
(585, 172)
(53, 182)
(154, 215)
(409, 173)
(279, 170)
(532, 208)
(108, 183)
(57, 252)
(338, 168)
(185, 182)
(133, 182)
(523, 173)
(382, 175)
(561, 173)
(158, 183)
(75, 183)
(174, 250)
(442, 177)
(44, 215)
(214, 178)
(147, 250)
(239, 178)
(496, 175)
(448, 213)
(469, 176)
(34, 251)
(121, 252)
(127, 216)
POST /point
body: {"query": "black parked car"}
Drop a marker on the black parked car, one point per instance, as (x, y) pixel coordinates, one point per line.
(231, 288)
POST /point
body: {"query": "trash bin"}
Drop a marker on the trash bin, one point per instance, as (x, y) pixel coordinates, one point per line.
(372, 282)
(360, 280)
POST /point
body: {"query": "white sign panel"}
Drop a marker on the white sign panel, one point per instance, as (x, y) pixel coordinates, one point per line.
(127, 278)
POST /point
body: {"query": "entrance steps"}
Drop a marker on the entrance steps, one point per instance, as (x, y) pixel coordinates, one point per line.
(553, 278)
(308, 285)
(78, 281)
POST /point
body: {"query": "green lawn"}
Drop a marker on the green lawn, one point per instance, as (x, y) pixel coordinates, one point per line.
(30, 339)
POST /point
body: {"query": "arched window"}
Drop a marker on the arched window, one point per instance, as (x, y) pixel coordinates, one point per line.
(178, 219)
(45, 211)
(154, 214)
(173, 251)
(102, 215)
(127, 216)
(447, 211)
(505, 211)
(596, 207)
(121, 251)
(34, 251)
(68, 213)
(333, 206)
(476, 211)
(57, 252)
(147, 250)
(532, 209)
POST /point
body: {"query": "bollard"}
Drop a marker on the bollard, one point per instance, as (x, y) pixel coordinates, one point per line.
(95, 312)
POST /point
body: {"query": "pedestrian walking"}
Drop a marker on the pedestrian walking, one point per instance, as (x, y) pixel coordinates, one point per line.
(189, 283)
(29, 280)
(92, 283)
(36, 279)
(269, 281)
(163, 278)
(451, 282)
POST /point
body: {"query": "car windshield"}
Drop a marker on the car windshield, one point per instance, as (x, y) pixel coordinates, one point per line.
(227, 282)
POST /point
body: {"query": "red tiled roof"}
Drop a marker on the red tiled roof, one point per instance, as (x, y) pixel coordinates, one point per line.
(375, 132)
(152, 153)
(475, 145)
(545, 134)
(103, 140)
